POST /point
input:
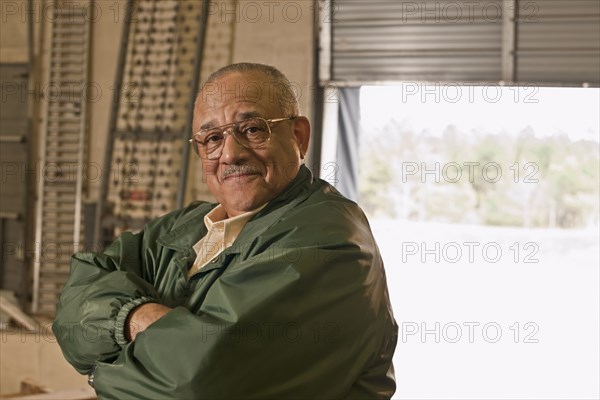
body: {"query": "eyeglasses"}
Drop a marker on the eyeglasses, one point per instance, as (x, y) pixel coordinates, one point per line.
(252, 133)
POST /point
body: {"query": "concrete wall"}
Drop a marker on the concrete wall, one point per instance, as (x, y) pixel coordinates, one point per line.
(278, 33)
(13, 31)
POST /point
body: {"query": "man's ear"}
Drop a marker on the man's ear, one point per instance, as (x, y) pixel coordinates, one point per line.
(302, 133)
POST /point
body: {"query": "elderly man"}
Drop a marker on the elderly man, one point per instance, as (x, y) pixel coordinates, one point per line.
(278, 291)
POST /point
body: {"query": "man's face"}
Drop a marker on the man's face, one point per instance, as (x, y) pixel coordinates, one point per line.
(243, 179)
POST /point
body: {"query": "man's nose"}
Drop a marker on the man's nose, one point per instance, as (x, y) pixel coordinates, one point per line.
(233, 151)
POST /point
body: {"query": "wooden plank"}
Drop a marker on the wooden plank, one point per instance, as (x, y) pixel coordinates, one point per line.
(72, 394)
(30, 386)
(17, 314)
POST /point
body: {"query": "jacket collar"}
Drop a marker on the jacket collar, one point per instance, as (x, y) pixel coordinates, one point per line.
(297, 188)
(185, 234)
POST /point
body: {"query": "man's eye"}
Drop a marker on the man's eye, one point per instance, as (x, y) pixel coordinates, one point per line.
(251, 130)
(213, 138)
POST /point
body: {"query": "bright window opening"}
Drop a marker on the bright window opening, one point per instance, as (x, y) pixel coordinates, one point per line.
(485, 203)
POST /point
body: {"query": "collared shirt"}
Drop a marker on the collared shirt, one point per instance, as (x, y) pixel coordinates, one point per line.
(222, 232)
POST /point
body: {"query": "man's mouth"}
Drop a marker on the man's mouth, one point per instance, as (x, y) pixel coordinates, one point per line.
(239, 173)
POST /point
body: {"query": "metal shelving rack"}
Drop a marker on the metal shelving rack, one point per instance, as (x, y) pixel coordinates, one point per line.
(62, 153)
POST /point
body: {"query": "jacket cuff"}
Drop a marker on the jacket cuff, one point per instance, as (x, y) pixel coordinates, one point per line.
(122, 317)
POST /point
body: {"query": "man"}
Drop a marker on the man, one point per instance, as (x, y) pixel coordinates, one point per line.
(278, 291)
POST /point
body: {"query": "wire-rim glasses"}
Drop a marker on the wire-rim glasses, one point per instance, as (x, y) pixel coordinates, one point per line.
(252, 133)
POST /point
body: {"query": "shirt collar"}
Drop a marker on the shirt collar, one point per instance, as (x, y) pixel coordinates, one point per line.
(228, 228)
(218, 217)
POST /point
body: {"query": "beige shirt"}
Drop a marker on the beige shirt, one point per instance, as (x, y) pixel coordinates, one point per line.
(222, 232)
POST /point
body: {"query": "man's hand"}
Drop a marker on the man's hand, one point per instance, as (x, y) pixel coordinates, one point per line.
(142, 317)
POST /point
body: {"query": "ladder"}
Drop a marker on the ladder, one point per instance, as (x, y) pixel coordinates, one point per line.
(62, 153)
(157, 79)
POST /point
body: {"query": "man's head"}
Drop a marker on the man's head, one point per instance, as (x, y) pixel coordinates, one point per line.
(244, 178)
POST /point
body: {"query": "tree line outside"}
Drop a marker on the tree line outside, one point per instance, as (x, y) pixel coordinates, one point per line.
(522, 180)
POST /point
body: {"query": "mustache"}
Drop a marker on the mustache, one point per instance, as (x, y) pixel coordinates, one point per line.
(239, 169)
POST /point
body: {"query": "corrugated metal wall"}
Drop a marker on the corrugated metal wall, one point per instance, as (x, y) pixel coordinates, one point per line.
(552, 41)
(558, 41)
(423, 40)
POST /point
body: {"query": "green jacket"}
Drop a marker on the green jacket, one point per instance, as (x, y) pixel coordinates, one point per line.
(297, 307)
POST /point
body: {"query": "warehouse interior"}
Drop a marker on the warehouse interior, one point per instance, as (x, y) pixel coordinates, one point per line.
(96, 112)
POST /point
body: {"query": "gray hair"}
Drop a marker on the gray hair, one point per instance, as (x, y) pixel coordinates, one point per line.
(286, 97)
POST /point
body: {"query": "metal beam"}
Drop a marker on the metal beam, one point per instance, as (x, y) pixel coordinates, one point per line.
(508, 40)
